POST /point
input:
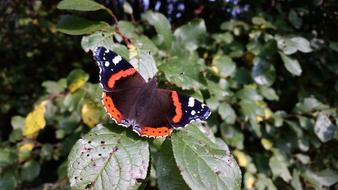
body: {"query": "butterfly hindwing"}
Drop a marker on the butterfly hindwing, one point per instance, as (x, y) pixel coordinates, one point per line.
(186, 109)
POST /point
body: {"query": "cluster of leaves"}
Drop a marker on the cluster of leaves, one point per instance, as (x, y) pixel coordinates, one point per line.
(271, 86)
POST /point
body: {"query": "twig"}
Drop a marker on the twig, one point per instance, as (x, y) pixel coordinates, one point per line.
(118, 31)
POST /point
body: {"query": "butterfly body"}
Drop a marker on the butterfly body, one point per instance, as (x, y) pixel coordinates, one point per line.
(133, 102)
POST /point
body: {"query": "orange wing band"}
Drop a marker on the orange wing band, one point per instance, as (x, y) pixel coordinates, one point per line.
(119, 75)
(155, 132)
(178, 107)
(111, 109)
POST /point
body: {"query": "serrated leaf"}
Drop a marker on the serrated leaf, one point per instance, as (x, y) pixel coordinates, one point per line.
(324, 128)
(191, 35)
(74, 25)
(292, 65)
(185, 72)
(108, 159)
(203, 163)
(225, 65)
(35, 120)
(168, 175)
(263, 73)
(76, 79)
(80, 5)
(162, 27)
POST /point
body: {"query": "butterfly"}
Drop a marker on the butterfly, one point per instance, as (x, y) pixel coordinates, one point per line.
(132, 102)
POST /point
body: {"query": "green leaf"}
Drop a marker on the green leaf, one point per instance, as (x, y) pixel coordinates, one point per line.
(268, 93)
(308, 105)
(279, 168)
(104, 39)
(30, 170)
(334, 46)
(205, 164)
(162, 27)
(232, 136)
(292, 45)
(263, 73)
(302, 44)
(8, 182)
(227, 113)
(144, 63)
(80, 5)
(295, 20)
(127, 8)
(55, 87)
(225, 66)
(7, 157)
(17, 122)
(168, 175)
(264, 24)
(76, 79)
(249, 92)
(251, 109)
(74, 25)
(105, 159)
(324, 128)
(292, 65)
(185, 72)
(190, 36)
(324, 178)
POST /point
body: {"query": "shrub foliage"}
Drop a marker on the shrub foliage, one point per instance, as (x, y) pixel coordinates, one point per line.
(270, 80)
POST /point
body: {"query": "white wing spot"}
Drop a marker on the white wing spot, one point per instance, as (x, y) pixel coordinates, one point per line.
(203, 105)
(106, 63)
(117, 59)
(193, 112)
(191, 102)
(106, 51)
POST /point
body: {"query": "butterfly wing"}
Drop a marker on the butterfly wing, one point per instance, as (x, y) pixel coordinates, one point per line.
(186, 109)
(171, 110)
(119, 81)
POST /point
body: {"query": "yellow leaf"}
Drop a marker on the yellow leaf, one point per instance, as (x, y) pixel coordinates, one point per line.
(132, 51)
(76, 79)
(214, 69)
(90, 114)
(241, 157)
(267, 113)
(26, 147)
(266, 144)
(259, 118)
(35, 120)
(249, 182)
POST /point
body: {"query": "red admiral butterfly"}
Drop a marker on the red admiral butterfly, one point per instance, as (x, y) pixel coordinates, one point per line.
(131, 101)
